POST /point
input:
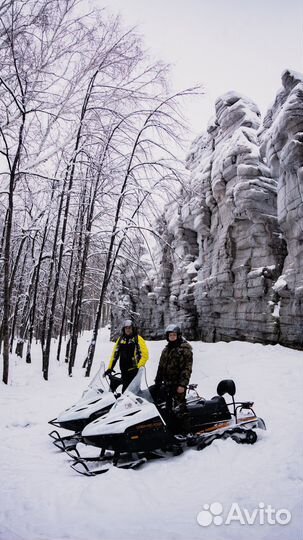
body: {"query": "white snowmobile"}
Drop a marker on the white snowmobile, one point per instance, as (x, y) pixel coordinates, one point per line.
(140, 427)
(96, 401)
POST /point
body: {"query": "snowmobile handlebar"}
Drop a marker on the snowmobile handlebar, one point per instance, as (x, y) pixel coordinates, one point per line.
(170, 387)
(115, 379)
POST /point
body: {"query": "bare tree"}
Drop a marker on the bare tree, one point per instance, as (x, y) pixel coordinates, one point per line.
(146, 171)
(88, 134)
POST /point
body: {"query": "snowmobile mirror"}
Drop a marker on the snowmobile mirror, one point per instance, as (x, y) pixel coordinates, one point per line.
(227, 386)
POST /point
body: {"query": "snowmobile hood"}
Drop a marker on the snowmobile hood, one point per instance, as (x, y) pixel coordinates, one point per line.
(133, 407)
(95, 398)
(128, 411)
(92, 401)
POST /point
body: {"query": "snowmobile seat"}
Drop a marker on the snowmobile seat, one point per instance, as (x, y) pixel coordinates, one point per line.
(219, 399)
(207, 411)
(227, 386)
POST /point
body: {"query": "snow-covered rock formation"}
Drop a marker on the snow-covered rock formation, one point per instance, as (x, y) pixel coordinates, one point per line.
(282, 147)
(231, 261)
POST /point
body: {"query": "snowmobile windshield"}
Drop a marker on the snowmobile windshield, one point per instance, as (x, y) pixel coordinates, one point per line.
(139, 387)
(98, 381)
(135, 398)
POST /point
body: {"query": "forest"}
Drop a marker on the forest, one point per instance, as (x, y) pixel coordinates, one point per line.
(90, 139)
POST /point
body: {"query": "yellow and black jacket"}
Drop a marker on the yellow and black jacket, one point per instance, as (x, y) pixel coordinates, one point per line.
(132, 352)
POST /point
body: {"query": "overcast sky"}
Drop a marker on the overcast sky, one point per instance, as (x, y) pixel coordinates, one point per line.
(241, 45)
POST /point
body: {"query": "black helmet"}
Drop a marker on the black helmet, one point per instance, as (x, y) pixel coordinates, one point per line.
(173, 328)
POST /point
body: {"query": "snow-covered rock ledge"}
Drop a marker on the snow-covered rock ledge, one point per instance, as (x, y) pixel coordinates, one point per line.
(238, 238)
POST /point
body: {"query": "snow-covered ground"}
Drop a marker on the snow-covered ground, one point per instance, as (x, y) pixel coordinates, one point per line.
(42, 498)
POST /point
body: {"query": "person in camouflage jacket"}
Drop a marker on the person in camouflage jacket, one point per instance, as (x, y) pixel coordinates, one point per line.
(175, 365)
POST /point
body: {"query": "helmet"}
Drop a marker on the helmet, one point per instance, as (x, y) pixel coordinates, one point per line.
(173, 328)
(129, 322)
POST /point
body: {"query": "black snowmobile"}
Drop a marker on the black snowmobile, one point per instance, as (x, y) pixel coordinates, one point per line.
(140, 427)
(96, 401)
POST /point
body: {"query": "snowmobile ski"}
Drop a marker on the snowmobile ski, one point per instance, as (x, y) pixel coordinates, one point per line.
(82, 466)
(68, 442)
(95, 466)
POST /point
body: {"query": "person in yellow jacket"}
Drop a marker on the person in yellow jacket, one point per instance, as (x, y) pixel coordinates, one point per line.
(132, 351)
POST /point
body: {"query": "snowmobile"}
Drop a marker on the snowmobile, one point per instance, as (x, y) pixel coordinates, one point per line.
(94, 402)
(145, 424)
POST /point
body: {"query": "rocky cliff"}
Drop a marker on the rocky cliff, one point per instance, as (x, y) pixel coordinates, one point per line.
(282, 148)
(230, 260)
